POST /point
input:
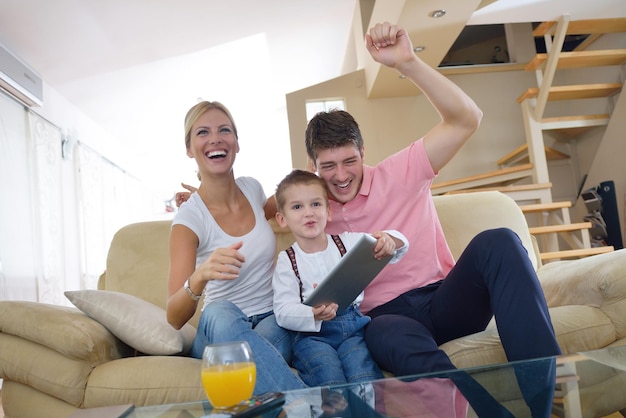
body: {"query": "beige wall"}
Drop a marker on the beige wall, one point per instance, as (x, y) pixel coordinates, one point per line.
(390, 124)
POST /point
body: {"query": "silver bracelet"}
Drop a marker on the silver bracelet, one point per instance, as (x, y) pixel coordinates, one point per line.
(190, 292)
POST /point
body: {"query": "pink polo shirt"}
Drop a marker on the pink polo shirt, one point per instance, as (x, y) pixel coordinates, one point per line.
(395, 194)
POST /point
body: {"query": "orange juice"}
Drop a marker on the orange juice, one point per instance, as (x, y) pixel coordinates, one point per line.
(229, 384)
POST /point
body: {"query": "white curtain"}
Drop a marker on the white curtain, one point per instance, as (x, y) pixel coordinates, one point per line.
(58, 216)
(109, 198)
(18, 266)
(48, 221)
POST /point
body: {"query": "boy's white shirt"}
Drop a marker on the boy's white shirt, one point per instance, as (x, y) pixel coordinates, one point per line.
(290, 312)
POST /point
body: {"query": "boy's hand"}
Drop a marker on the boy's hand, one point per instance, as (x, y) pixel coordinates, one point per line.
(385, 244)
(325, 312)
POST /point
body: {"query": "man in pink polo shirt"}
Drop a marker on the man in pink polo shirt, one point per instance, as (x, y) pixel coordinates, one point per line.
(427, 299)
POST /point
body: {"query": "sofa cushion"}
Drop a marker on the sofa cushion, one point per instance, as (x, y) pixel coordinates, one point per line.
(147, 380)
(74, 334)
(465, 215)
(44, 369)
(476, 350)
(577, 328)
(138, 323)
(22, 400)
(581, 328)
(598, 281)
(138, 261)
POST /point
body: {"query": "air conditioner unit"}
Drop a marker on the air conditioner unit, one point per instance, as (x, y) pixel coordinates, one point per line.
(19, 80)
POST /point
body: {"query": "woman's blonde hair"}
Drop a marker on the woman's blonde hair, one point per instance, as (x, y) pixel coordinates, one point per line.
(200, 109)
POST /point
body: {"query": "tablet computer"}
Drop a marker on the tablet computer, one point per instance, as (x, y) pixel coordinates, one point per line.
(350, 276)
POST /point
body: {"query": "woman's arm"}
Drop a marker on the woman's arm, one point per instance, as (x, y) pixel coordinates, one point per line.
(222, 264)
(183, 246)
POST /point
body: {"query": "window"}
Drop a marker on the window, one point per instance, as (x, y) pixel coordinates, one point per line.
(317, 106)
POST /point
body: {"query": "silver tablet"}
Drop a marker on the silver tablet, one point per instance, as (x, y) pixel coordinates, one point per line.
(350, 276)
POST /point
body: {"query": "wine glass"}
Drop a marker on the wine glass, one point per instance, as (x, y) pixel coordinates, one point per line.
(228, 373)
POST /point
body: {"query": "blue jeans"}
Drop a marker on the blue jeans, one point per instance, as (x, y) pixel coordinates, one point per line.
(223, 321)
(493, 276)
(337, 354)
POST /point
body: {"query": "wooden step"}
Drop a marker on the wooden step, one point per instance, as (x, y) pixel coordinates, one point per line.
(579, 253)
(557, 214)
(506, 189)
(573, 126)
(520, 155)
(580, 59)
(545, 207)
(499, 177)
(519, 192)
(585, 27)
(565, 379)
(569, 358)
(549, 229)
(583, 91)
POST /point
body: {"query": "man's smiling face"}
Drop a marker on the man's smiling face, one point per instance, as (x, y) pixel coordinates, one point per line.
(342, 170)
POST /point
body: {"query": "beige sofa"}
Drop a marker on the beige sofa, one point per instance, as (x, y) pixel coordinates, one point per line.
(56, 359)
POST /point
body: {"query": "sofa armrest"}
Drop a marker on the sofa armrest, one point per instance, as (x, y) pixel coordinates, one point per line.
(65, 330)
(598, 281)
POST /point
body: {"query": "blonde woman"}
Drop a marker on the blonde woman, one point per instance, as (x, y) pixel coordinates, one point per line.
(222, 248)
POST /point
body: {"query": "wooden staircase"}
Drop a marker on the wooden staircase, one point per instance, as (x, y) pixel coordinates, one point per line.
(501, 177)
(575, 234)
(529, 162)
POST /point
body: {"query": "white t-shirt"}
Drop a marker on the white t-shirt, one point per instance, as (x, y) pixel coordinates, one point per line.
(313, 268)
(252, 290)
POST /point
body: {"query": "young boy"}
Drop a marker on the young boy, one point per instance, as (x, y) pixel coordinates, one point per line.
(328, 345)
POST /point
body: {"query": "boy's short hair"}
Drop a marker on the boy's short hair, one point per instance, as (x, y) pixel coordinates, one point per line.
(297, 177)
(333, 129)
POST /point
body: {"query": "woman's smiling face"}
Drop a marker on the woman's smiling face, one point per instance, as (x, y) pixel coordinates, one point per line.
(213, 142)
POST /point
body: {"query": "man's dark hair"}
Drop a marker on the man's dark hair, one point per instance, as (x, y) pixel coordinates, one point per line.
(332, 129)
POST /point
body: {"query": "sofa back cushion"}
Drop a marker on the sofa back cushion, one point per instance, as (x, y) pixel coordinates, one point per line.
(464, 215)
(138, 258)
(138, 262)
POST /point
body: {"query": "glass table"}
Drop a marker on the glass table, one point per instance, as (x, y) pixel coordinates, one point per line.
(590, 384)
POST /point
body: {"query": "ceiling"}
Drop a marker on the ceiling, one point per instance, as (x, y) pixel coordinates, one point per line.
(135, 66)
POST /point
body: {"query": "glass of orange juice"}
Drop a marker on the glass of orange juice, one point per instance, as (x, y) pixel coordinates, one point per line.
(228, 373)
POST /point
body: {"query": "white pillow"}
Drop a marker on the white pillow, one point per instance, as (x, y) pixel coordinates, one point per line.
(140, 324)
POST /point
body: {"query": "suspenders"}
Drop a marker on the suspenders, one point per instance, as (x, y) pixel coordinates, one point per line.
(294, 265)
